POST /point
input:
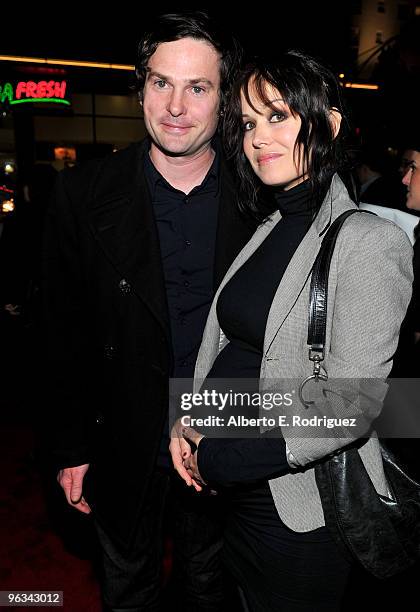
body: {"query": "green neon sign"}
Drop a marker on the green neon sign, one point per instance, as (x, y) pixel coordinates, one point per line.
(34, 92)
(32, 100)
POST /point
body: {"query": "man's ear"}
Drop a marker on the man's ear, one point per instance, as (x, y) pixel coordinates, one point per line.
(335, 120)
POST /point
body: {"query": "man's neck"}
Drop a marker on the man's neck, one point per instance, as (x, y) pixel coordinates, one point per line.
(183, 173)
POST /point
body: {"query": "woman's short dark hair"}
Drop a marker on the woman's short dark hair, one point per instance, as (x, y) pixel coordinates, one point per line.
(311, 91)
(190, 24)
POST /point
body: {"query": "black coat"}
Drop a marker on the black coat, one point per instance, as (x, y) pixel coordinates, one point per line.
(109, 350)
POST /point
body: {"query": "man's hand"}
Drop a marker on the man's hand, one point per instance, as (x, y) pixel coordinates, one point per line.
(71, 480)
(14, 310)
(181, 451)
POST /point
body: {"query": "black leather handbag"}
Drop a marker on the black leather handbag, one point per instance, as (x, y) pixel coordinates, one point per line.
(383, 534)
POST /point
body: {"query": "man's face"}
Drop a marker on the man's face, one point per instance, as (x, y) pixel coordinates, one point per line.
(407, 158)
(411, 180)
(181, 96)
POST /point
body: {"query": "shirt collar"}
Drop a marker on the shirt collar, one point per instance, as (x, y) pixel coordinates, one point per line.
(210, 182)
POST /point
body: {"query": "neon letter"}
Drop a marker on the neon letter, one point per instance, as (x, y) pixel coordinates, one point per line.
(31, 89)
(50, 89)
(60, 89)
(7, 92)
(42, 86)
(20, 89)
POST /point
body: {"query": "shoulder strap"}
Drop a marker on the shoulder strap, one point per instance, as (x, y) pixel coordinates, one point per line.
(318, 297)
(319, 286)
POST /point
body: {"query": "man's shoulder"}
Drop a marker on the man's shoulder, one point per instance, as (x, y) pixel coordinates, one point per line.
(121, 160)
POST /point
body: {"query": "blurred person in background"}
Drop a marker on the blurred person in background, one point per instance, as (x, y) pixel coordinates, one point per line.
(411, 180)
(378, 183)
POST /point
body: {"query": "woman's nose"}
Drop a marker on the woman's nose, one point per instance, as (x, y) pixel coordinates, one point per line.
(261, 136)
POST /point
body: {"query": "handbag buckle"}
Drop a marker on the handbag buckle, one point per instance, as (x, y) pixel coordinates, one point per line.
(315, 355)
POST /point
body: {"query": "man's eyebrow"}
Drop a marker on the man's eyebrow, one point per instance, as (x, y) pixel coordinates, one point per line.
(153, 73)
(200, 80)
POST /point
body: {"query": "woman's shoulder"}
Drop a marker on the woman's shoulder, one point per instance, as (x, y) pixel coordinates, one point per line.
(369, 227)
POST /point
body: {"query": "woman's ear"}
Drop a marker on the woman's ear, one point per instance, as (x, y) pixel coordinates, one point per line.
(335, 120)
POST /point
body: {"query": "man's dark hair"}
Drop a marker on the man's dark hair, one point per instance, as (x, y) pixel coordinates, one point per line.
(311, 91)
(190, 24)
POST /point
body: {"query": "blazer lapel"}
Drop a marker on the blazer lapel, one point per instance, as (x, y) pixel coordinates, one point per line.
(300, 266)
(292, 282)
(122, 221)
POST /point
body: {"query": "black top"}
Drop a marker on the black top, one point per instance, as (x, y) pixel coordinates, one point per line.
(243, 307)
(186, 226)
(256, 282)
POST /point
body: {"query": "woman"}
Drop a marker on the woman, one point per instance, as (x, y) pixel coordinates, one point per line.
(283, 129)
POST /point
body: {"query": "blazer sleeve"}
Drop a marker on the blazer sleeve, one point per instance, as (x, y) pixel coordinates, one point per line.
(66, 410)
(374, 285)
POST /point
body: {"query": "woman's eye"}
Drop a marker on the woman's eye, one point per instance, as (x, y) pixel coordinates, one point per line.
(248, 126)
(276, 117)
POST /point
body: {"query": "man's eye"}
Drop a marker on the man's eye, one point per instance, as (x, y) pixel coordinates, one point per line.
(160, 83)
(197, 90)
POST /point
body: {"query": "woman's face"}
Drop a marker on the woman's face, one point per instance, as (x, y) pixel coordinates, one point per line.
(269, 139)
(412, 180)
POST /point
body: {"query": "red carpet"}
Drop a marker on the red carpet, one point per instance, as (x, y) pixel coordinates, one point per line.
(33, 555)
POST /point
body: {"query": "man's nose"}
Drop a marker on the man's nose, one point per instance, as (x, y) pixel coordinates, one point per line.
(176, 104)
(407, 177)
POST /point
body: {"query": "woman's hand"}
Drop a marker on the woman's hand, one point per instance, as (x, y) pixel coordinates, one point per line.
(190, 462)
(181, 453)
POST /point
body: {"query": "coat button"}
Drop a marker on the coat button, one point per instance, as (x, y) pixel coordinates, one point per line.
(109, 351)
(124, 286)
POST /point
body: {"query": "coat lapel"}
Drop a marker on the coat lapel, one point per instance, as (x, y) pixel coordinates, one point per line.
(122, 221)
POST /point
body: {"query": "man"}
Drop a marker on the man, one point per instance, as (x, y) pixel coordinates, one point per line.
(136, 245)
(406, 159)
(378, 185)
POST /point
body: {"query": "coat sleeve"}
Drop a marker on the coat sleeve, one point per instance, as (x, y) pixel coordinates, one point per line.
(66, 409)
(374, 285)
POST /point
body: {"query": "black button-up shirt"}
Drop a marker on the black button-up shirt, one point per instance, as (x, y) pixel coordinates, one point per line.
(187, 225)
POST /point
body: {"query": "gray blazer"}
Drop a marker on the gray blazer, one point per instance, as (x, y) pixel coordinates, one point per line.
(370, 286)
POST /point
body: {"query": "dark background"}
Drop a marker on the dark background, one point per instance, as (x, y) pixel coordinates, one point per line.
(107, 32)
(110, 32)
